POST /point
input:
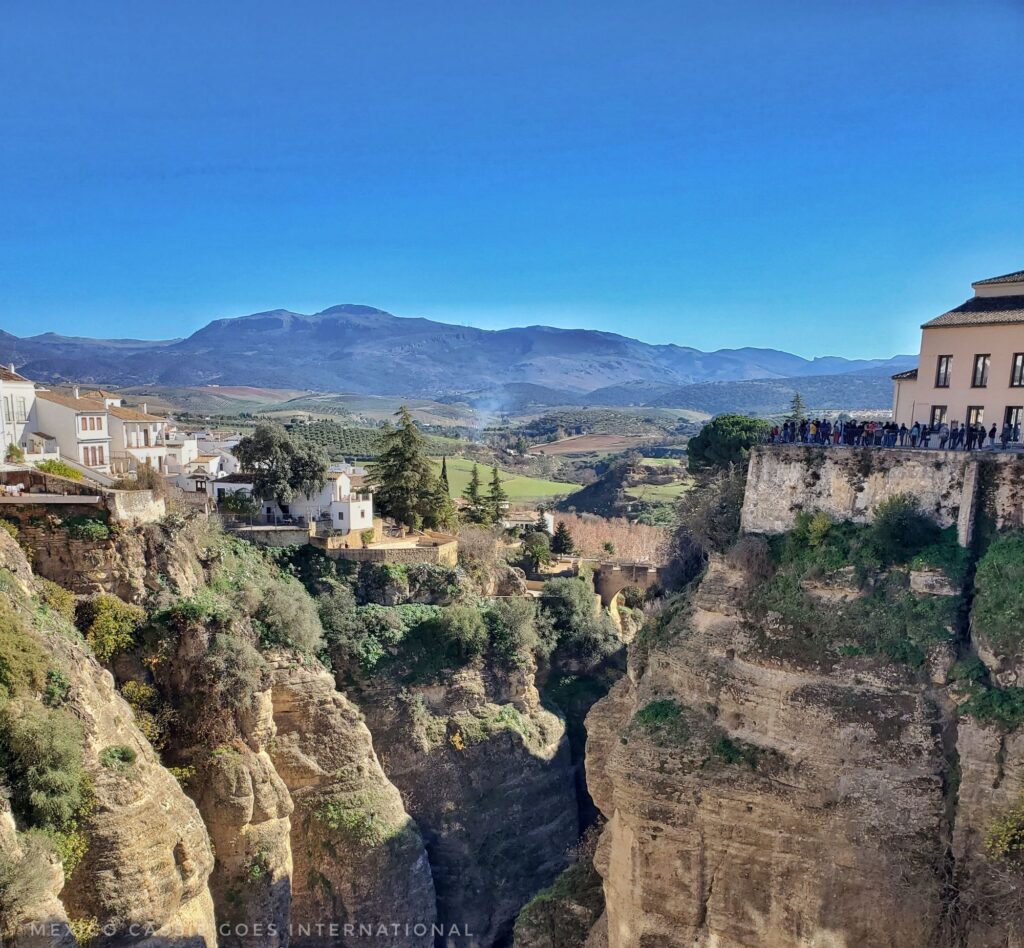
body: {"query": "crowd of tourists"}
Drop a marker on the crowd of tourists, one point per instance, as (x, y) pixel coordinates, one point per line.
(888, 434)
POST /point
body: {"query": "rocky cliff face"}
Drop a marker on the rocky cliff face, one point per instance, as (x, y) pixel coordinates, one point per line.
(486, 773)
(758, 797)
(358, 856)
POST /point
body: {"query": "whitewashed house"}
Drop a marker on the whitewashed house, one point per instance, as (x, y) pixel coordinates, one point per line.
(81, 426)
(337, 504)
(182, 449)
(136, 437)
(17, 399)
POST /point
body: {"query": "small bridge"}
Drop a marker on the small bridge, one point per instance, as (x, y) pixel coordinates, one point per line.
(610, 578)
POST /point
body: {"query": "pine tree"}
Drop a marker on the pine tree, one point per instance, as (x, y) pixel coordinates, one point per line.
(441, 514)
(541, 525)
(561, 542)
(444, 475)
(797, 411)
(497, 498)
(476, 511)
(402, 475)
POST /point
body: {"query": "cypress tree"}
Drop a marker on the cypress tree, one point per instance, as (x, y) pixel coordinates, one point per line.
(475, 510)
(497, 498)
(561, 542)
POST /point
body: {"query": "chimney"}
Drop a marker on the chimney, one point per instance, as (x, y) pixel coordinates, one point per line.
(11, 366)
(145, 410)
(76, 391)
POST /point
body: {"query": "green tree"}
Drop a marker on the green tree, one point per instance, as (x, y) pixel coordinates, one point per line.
(405, 486)
(444, 476)
(441, 513)
(239, 503)
(797, 409)
(497, 498)
(561, 542)
(725, 440)
(537, 549)
(280, 469)
(476, 508)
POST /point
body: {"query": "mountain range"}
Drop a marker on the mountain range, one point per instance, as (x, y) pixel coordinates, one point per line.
(360, 349)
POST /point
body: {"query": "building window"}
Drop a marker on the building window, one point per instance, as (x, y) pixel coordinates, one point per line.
(943, 370)
(22, 410)
(99, 454)
(1017, 370)
(85, 423)
(938, 415)
(979, 379)
(1012, 416)
(975, 414)
(341, 514)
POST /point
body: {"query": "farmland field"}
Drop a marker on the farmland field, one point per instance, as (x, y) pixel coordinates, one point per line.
(518, 486)
(589, 444)
(661, 462)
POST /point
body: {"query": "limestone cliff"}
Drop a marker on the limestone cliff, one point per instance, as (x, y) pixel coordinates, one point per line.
(485, 771)
(753, 801)
(358, 856)
(762, 791)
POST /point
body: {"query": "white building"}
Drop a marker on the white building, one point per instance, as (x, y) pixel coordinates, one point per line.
(79, 425)
(182, 449)
(136, 437)
(17, 399)
(336, 504)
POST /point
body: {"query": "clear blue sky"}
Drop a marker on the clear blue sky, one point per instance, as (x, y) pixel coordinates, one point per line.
(814, 176)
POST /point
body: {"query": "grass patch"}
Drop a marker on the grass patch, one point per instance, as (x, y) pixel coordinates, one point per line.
(519, 487)
(663, 722)
(998, 609)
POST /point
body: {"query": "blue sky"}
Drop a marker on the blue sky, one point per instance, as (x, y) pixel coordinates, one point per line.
(813, 176)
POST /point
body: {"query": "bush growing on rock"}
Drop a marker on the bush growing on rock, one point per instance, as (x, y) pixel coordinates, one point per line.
(998, 612)
(41, 752)
(287, 617)
(753, 557)
(60, 600)
(23, 882)
(110, 625)
(513, 631)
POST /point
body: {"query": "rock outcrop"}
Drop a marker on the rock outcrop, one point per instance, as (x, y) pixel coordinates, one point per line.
(752, 801)
(358, 856)
(486, 773)
(149, 857)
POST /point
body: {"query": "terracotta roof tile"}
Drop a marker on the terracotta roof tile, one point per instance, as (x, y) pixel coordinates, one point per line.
(69, 401)
(6, 375)
(982, 311)
(1017, 277)
(132, 414)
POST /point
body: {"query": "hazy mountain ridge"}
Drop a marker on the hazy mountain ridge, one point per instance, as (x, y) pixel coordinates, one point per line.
(365, 350)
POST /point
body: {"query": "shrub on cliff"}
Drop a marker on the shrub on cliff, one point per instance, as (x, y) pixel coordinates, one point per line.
(1005, 837)
(22, 661)
(579, 632)
(513, 631)
(709, 515)
(41, 754)
(60, 600)
(725, 441)
(900, 530)
(998, 611)
(23, 882)
(287, 617)
(110, 624)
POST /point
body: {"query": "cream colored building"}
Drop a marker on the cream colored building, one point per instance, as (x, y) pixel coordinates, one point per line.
(971, 367)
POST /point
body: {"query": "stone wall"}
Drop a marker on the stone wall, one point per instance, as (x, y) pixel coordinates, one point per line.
(446, 554)
(850, 483)
(135, 506)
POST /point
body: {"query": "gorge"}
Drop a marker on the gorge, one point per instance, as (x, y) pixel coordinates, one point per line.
(816, 741)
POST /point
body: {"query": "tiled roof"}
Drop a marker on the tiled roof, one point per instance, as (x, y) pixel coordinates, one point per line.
(44, 435)
(6, 375)
(909, 374)
(132, 414)
(101, 393)
(1017, 277)
(982, 311)
(237, 478)
(69, 401)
